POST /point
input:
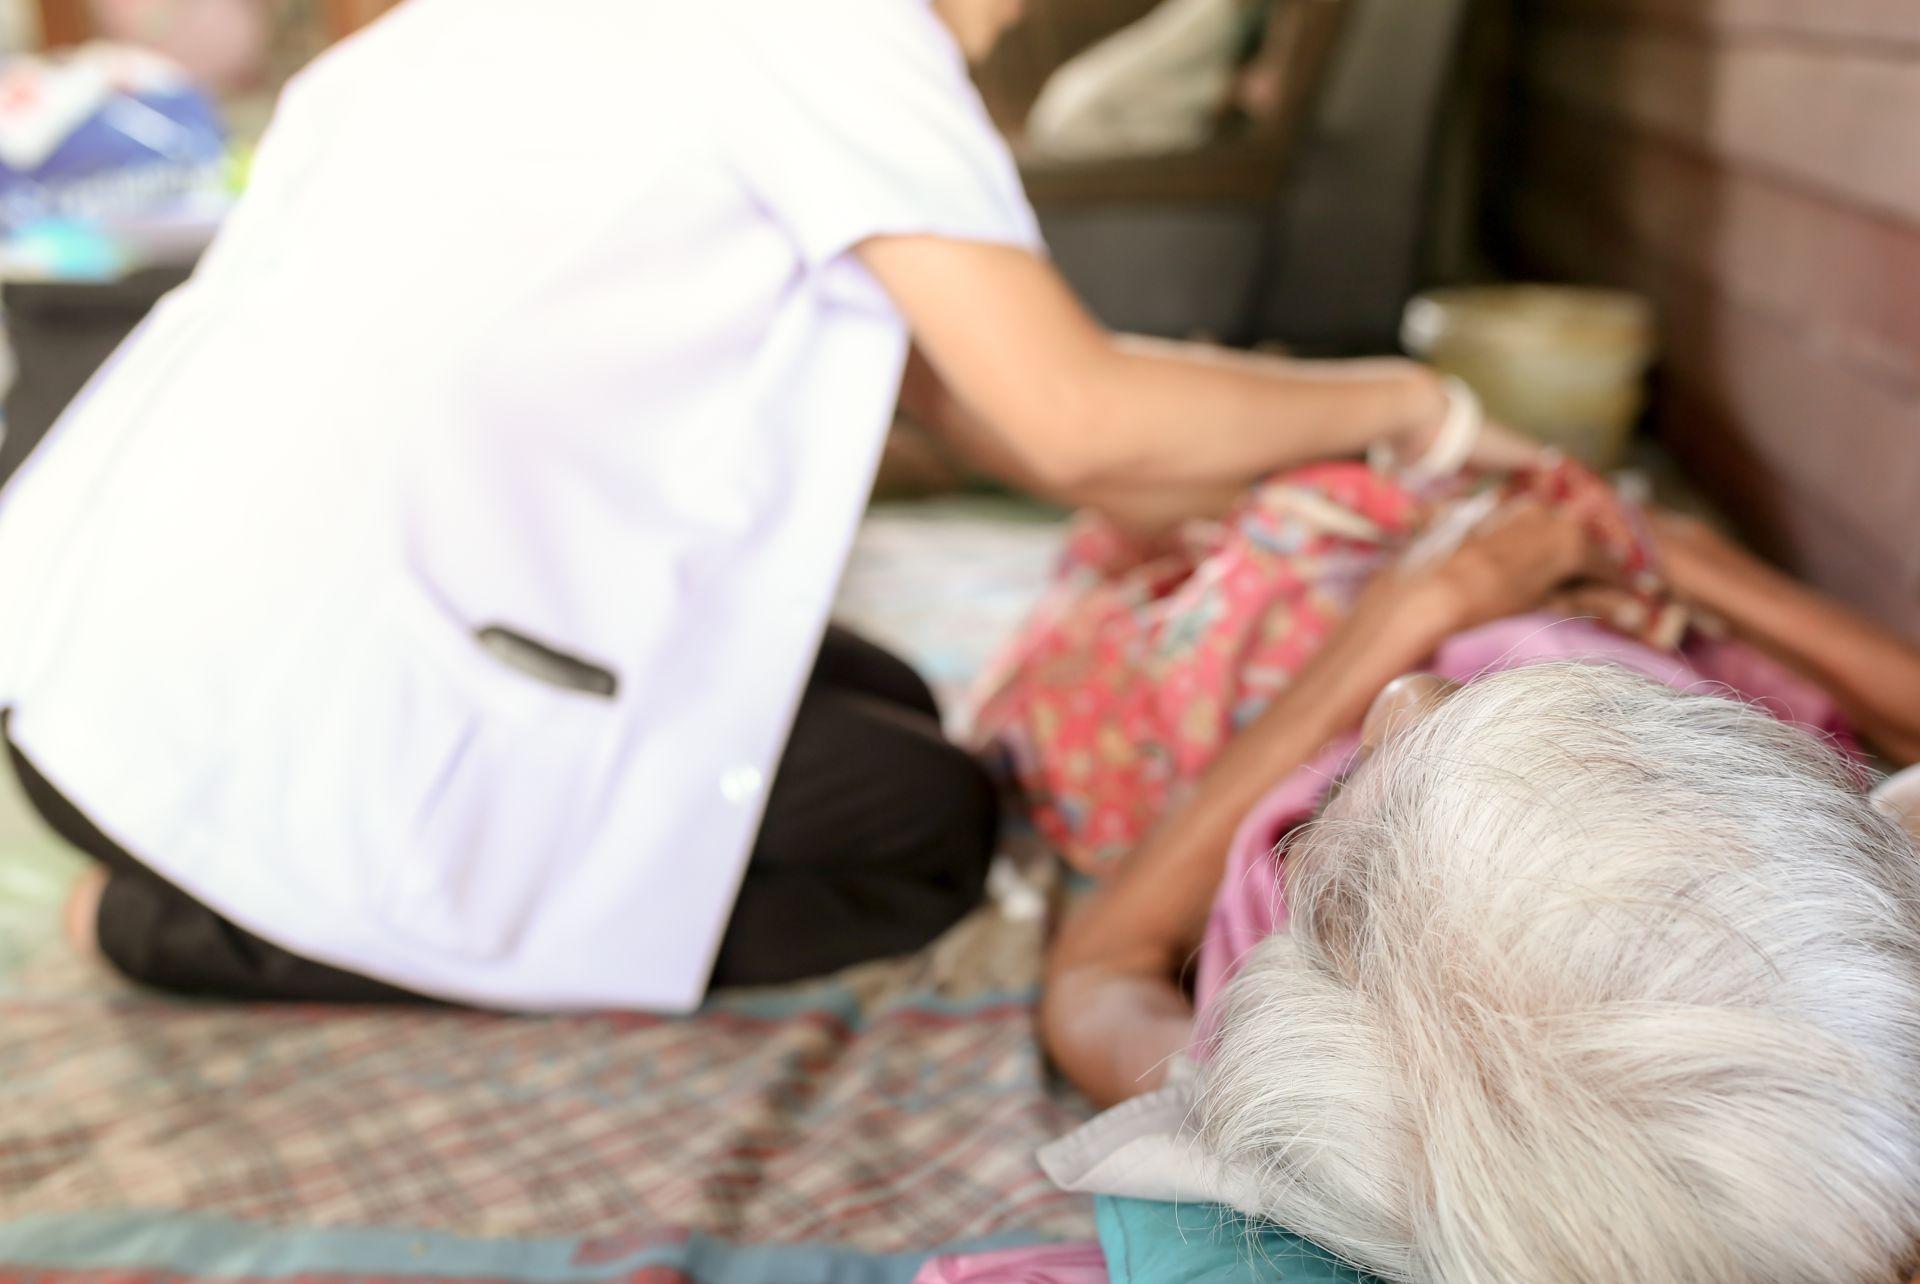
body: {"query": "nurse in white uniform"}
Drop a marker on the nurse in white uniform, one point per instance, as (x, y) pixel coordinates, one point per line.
(422, 602)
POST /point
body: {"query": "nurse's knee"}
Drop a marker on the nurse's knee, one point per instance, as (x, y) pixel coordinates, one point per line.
(128, 931)
(957, 820)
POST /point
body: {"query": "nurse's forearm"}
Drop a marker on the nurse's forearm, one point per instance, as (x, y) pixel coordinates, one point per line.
(1176, 412)
(1142, 509)
(1069, 407)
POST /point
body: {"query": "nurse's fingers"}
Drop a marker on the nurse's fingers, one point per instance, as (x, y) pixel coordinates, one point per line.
(1500, 449)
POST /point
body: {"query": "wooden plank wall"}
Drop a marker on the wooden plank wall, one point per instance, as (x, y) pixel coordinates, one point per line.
(344, 17)
(64, 22)
(1048, 33)
(68, 22)
(1755, 166)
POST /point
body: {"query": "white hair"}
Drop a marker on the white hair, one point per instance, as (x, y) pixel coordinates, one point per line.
(1588, 979)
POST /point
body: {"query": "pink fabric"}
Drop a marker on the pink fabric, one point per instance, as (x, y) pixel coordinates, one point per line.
(1080, 1263)
(1251, 903)
(1140, 664)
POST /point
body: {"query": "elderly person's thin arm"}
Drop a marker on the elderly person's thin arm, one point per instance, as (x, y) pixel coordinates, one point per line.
(1872, 672)
(1114, 1011)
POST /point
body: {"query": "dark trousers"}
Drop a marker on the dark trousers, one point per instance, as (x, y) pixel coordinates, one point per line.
(876, 839)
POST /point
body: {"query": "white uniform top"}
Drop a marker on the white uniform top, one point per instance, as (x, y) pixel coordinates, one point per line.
(540, 316)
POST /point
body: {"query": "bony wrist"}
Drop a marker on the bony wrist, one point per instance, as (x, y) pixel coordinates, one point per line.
(1419, 606)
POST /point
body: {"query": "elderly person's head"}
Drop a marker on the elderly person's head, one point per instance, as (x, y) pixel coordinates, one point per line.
(1588, 980)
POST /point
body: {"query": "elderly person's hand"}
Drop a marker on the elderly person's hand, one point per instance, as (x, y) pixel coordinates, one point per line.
(1486, 559)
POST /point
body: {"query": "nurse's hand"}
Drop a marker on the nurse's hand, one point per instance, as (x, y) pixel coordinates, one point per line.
(1501, 449)
(1453, 433)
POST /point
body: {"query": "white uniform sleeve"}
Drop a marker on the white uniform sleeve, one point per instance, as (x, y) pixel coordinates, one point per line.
(855, 118)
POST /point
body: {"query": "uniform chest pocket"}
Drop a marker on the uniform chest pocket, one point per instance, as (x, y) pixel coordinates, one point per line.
(546, 664)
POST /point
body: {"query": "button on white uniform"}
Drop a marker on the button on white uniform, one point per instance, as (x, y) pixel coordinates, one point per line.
(741, 785)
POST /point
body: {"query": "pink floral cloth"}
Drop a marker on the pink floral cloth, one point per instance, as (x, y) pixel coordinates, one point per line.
(1140, 664)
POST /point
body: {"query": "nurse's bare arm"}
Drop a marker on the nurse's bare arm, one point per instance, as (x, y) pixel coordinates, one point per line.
(1068, 405)
(1872, 672)
(1143, 508)
(1113, 1011)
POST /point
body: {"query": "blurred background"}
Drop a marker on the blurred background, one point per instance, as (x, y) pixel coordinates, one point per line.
(1317, 175)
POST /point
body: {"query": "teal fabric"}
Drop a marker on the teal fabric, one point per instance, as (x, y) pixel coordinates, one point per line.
(211, 1250)
(1149, 1243)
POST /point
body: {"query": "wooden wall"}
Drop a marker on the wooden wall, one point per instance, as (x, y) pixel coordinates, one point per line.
(1049, 33)
(344, 17)
(1754, 165)
(64, 22)
(68, 22)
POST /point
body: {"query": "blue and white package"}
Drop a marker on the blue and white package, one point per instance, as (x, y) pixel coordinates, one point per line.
(103, 134)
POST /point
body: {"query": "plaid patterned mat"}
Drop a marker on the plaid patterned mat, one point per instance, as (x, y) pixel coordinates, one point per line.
(893, 1108)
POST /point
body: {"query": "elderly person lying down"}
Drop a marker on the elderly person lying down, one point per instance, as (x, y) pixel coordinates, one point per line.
(1566, 969)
